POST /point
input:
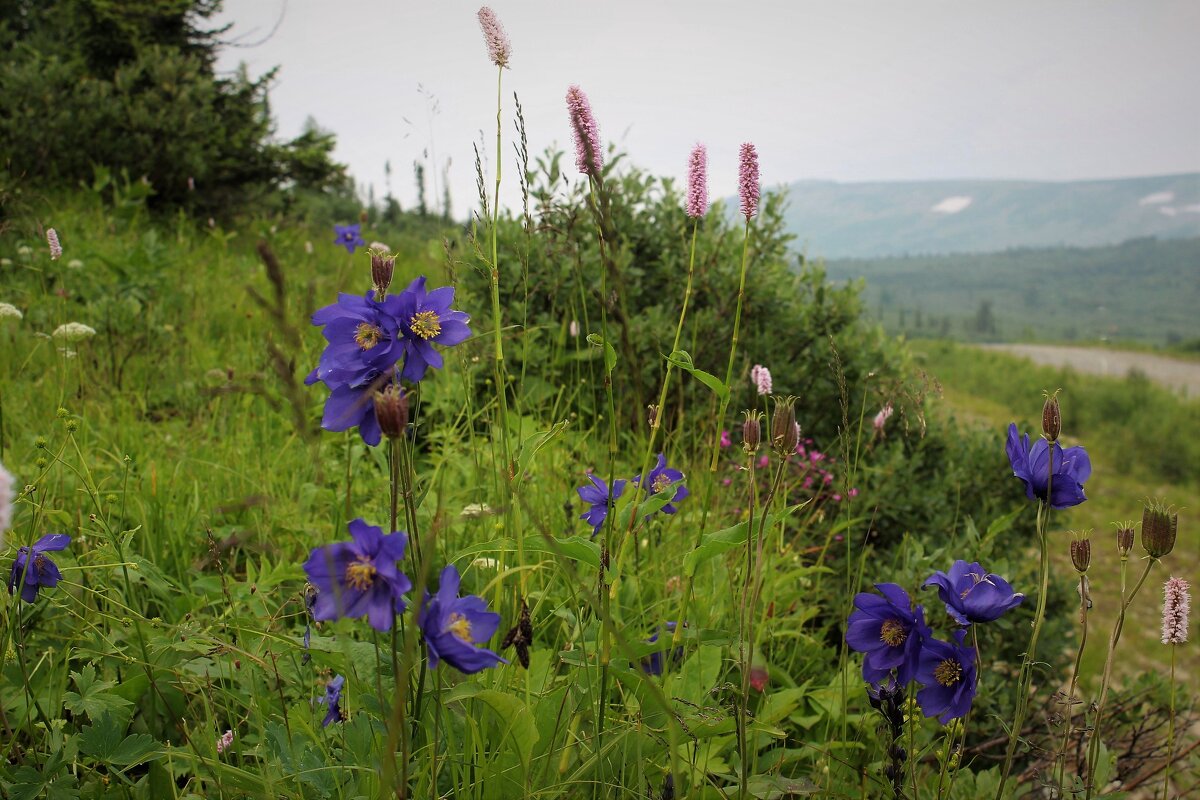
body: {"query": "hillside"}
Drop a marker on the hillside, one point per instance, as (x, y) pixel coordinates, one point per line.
(1143, 290)
(868, 220)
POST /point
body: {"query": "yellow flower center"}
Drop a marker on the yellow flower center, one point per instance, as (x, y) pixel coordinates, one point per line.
(360, 574)
(660, 483)
(425, 324)
(367, 335)
(948, 673)
(892, 633)
(460, 626)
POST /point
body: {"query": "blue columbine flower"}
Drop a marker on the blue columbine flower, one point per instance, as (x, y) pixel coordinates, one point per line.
(947, 672)
(425, 318)
(653, 663)
(362, 336)
(600, 499)
(454, 627)
(349, 237)
(33, 569)
(972, 594)
(889, 631)
(662, 477)
(333, 701)
(1072, 467)
(360, 577)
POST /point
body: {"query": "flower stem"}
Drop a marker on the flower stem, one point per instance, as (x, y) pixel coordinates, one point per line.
(737, 322)
(1025, 678)
(1170, 732)
(1094, 745)
(1070, 701)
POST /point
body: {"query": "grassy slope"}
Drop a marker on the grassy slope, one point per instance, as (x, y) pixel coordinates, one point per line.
(1115, 492)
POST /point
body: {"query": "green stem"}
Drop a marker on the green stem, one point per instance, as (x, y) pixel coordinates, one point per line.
(737, 322)
(1094, 745)
(1170, 732)
(1070, 701)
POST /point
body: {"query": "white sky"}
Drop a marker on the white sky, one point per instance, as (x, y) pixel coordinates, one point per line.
(848, 90)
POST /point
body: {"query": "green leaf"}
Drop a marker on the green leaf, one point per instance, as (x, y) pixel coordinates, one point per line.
(102, 741)
(534, 443)
(610, 354)
(718, 542)
(683, 360)
(775, 787)
(517, 721)
(698, 676)
(94, 697)
(577, 548)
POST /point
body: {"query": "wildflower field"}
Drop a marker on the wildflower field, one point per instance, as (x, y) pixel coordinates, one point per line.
(610, 495)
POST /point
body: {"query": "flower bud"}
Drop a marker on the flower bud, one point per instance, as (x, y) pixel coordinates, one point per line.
(382, 266)
(1159, 525)
(1051, 418)
(751, 433)
(1125, 539)
(1081, 554)
(391, 409)
(785, 433)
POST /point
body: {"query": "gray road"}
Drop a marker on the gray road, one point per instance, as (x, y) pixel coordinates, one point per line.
(1183, 376)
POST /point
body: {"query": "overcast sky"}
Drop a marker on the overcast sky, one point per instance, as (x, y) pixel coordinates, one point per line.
(839, 89)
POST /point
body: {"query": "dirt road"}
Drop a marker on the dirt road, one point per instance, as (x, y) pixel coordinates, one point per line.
(1183, 376)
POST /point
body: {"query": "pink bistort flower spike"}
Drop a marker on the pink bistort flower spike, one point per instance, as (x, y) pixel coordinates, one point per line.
(6, 502)
(55, 247)
(697, 196)
(1176, 605)
(748, 180)
(761, 376)
(882, 417)
(588, 156)
(498, 45)
(225, 741)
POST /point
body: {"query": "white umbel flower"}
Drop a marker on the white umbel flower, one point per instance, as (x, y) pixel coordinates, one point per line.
(9, 311)
(73, 332)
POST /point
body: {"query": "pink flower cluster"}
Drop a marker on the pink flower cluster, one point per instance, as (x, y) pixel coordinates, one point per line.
(882, 417)
(52, 241)
(225, 741)
(6, 501)
(1176, 604)
(761, 376)
(697, 196)
(498, 45)
(588, 156)
(748, 180)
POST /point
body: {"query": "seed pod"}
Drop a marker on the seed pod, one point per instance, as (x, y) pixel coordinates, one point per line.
(785, 433)
(1159, 526)
(391, 409)
(382, 266)
(751, 433)
(1051, 418)
(1081, 554)
(1125, 539)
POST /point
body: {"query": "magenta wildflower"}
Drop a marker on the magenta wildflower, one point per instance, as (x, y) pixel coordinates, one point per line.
(882, 417)
(498, 45)
(748, 180)
(761, 376)
(55, 247)
(1176, 604)
(588, 156)
(697, 196)
(226, 740)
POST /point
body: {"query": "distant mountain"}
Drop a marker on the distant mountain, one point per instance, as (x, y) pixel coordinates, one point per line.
(868, 220)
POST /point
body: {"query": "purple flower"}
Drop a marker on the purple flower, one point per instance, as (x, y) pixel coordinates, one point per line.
(362, 337)
(1072, 467)
(748, 180)
(889, 631)
(360, 577)
(33, 569)
(454, 626)
(972, 594)
(600, 500)
(661, 478)
(588, 156)
(1177, 602)
(697, 195)
(349, 237)
(653, 663)
(333, 701)
(947, 672)
(425, 318)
